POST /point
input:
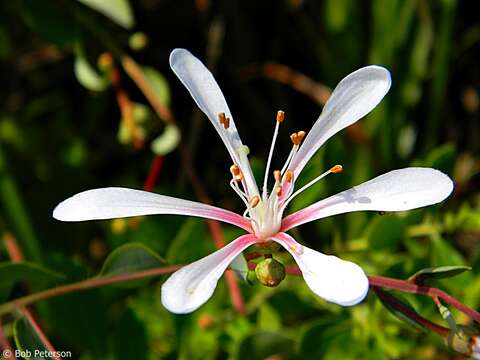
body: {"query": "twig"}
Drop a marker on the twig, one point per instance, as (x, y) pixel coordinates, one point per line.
(16, 256)
(84, 285)
(136, 74)
(43, 338)
(405, 286)
(12, 248)
(153, 173)
(392, 301)
(125, 105)
(5, 345)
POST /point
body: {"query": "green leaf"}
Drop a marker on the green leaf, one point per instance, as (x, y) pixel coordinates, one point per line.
(51, 21)
(87, 75)
(37, 276)
(27, 340)
(438, 272)
(130, 337)
(321, 337)
(118, 11)
(260, 345)
(158, 82)
(385, 232)
(130, 258)
(167, 141)
(441, 158)
(392, 302)
(268, 318)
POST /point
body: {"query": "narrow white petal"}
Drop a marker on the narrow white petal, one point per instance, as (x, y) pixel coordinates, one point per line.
(353, 98)
(113, 202)
(335, 280)
(397, 190)
(190, 287)
(207, 94)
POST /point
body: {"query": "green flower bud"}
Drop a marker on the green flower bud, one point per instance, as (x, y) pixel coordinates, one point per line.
(270, 272)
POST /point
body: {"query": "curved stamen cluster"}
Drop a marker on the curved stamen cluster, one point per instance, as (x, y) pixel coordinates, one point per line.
(265, 211)
(346, 284)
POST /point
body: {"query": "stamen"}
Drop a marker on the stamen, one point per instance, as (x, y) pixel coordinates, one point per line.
(333, 170)
(289, 176)
(336, 169)
(289, 158)
(279, 190)
(277, 175)
(236, 173)
(225, 121)
(280, 117)
(254, 201)
(240, 193)
(297, 137)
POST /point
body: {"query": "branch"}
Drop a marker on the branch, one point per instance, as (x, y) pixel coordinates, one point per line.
(84, 285)
(405, 286)
(393, 302)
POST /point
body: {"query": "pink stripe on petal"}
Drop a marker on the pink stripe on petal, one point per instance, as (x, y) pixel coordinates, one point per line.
(397, 190)
(190, 287)
(113, 202)
(335, 280)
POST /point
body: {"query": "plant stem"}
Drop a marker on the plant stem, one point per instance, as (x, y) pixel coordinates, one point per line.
(410, 313)
(405, 286)
(38, 330)
(153, 173)
(84, 285)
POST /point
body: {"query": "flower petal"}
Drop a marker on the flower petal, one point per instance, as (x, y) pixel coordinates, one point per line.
(190, 287)
(335, 280)
(397, 190)
(207, 94)
(353, 98)
(114, 202)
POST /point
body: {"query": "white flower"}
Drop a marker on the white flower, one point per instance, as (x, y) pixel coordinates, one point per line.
(333, 279)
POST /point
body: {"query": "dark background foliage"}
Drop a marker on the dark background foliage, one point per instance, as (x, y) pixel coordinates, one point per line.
(61, 133)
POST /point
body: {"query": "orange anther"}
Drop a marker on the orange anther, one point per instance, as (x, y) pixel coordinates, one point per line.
(236, 173)
(301, 135)
(254, 201)
(289, 176)
(225, 121)
(234, 169)
(279, 191)
(280, 116)
(297, 137)
(336, 169)
(277, 175)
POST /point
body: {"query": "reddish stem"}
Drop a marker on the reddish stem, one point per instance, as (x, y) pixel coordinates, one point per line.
(398, 305)
(126, 107)
(16, 256)
(406, 286)
(12, 248)
(235, 293)
(153, 173)
(5, 345)
(43, 338)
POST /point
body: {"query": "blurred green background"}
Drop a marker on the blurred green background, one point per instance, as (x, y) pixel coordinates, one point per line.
(66, 79)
